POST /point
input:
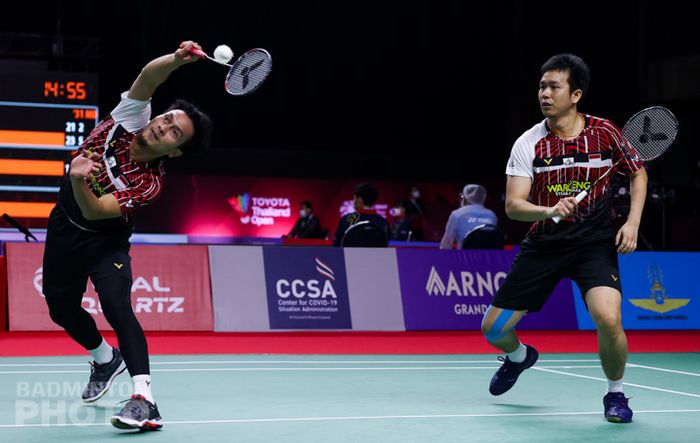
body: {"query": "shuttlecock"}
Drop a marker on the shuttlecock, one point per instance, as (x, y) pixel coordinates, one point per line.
(223, 54)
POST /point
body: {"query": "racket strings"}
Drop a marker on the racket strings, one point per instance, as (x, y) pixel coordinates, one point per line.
(649, 133)
(248, 72)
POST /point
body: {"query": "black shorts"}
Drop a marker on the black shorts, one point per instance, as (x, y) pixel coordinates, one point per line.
(535, 273)
(71, 255)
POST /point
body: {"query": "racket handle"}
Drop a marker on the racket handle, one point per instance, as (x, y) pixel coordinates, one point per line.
(580, 196)
(198, 52)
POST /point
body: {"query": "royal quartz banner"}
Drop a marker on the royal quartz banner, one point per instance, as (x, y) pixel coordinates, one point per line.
(170, 289)
(451, 289)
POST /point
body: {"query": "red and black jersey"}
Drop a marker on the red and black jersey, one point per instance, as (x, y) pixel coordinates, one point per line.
(561, 168)
(133, 184)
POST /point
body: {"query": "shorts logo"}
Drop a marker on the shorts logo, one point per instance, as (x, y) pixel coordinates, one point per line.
(613, 277)
(118, 265)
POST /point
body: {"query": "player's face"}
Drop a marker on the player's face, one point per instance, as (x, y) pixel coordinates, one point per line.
(167, 132)
(555, 95)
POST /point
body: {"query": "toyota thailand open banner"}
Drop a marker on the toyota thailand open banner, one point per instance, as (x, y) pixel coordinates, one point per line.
(451, 289)
(170, 289)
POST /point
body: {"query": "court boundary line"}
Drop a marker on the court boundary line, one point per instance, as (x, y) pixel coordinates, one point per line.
(300, 369)
(349, 418)
(652, 388)
(298, 362)
(655, 368)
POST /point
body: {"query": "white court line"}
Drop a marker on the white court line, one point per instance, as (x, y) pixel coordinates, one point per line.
(368, 417)
(350, 362)
(397, 368)
(654, 368)
(687, 394)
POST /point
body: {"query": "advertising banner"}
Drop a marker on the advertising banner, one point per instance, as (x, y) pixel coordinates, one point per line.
(306, 288)
(658, 291)
(452, 289)
(170, 289)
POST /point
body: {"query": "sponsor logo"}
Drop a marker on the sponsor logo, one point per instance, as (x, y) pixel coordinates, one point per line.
(146, 304)
(468, 284)
(311, 288)
(569, 188)
(260, 211)
(658, 300)
(118, 265)
(568, 161)
(548, 161)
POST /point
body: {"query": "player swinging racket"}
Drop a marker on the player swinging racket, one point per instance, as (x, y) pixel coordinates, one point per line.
(548, 165)
(118, 169)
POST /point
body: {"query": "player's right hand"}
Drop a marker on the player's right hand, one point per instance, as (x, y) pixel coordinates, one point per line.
(183, 55)
(564, 207)
(85, 166)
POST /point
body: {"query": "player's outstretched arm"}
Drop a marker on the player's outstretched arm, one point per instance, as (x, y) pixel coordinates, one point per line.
(157, 71)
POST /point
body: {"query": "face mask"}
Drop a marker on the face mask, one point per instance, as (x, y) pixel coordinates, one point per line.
(416, 194)
(302, 213)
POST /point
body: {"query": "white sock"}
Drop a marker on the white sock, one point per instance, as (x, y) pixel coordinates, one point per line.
(142, 386)
(103, 353)
(615, 385)
(518, 356)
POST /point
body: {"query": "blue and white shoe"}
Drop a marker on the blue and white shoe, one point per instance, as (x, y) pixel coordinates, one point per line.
(508, 373)
(616, 408)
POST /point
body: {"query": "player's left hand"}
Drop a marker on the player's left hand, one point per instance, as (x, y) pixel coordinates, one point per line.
(183, 54)
(626, 238)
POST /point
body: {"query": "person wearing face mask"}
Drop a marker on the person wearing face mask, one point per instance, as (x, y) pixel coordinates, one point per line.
(415, 212)
(307, 225)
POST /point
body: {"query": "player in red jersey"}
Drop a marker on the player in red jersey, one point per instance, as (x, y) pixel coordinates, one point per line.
(118, 169)
(549, 164)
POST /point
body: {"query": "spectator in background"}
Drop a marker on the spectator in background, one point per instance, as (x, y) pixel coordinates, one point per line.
(401, 226)
(415, 210)
(471, 214)
(364, 198)
(307, 225)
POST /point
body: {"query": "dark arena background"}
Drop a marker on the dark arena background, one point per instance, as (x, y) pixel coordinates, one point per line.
(258, 335)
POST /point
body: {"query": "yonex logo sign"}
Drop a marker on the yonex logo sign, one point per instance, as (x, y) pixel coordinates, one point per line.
(474, 284)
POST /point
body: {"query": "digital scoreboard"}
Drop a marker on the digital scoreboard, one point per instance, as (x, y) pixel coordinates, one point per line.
(43, 116)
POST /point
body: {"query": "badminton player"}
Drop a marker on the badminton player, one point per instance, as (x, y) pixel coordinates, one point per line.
(118, 169)
(548, 165)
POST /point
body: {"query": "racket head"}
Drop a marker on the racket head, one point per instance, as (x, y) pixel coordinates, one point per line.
(248, 72)
(649, 133)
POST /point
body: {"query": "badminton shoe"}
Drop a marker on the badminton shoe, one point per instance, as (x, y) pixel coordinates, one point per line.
(138, 413)
(616, 408)
(102, 376)
(508, 373)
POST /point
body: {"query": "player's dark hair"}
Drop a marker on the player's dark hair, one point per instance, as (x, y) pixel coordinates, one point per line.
(307, 204)
(202, 127)
(579, 74)
(367, 193)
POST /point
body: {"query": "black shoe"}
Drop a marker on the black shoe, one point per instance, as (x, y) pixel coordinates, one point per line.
(138, 413)
(101, 376)
(616, 408)
(508, 373)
